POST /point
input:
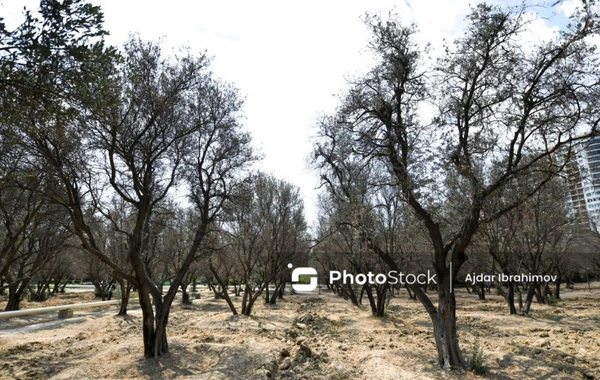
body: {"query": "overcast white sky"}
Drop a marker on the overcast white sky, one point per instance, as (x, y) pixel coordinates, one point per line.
(289, 59)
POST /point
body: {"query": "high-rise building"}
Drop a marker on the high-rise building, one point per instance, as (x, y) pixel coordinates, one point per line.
(578, 209)
(584, 179)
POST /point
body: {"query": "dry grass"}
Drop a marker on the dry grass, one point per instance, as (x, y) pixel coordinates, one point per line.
(320, 337)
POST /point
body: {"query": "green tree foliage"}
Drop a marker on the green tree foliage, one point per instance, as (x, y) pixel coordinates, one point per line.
(52, 57)
(47, 64)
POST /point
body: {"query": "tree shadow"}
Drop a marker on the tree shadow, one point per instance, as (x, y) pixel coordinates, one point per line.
(168, 366)
(44, 363)
(549, 364)
(204, 361)
(211, 305)
(128, 319)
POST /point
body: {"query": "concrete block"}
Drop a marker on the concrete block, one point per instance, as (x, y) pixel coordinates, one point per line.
(64, 314)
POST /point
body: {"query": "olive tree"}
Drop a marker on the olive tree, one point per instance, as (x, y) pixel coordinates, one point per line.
(162, 121)
(264, 230)
(499, 102)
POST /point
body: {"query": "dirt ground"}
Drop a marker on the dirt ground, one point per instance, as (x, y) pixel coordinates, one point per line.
(307, 337)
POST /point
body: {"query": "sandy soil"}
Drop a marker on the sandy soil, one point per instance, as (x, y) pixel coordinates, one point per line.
(307, 337)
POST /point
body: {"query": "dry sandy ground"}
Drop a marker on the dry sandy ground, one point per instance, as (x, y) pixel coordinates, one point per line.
(307, 337)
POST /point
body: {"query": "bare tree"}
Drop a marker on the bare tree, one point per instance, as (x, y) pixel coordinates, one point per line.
(157, 112)
(264, 231)
(498, 102)
(21, 214)
(532, 238)
(32, 235)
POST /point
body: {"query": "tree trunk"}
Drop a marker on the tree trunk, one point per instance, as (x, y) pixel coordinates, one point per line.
(382, 292)
(125, 291)
(510, 298)
(41, 287)
(247, 292)
(349, 291)
(411, 294)
(444, 326)
(185, 296)
(229, 303)
(367, 289)
(56, 286)
(149, 333)
(154, 321)
(267, 294)
(225, 292)
(468, 287)
(444, 316)
(520, 301)
(361, 294)
(102, 289)
(530, 293)
(282, 290)
(15, 295)
(250, 297)
(539, 296)
(161, 344)
(546, 291)
(557, 288)
(218, 294)
(276, 293)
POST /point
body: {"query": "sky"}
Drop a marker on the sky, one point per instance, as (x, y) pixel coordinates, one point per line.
(290, 59)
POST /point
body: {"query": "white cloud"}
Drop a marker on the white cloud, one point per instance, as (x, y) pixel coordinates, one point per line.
(567, 7)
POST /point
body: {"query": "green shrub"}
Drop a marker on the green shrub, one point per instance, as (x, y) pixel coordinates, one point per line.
(476, 361)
